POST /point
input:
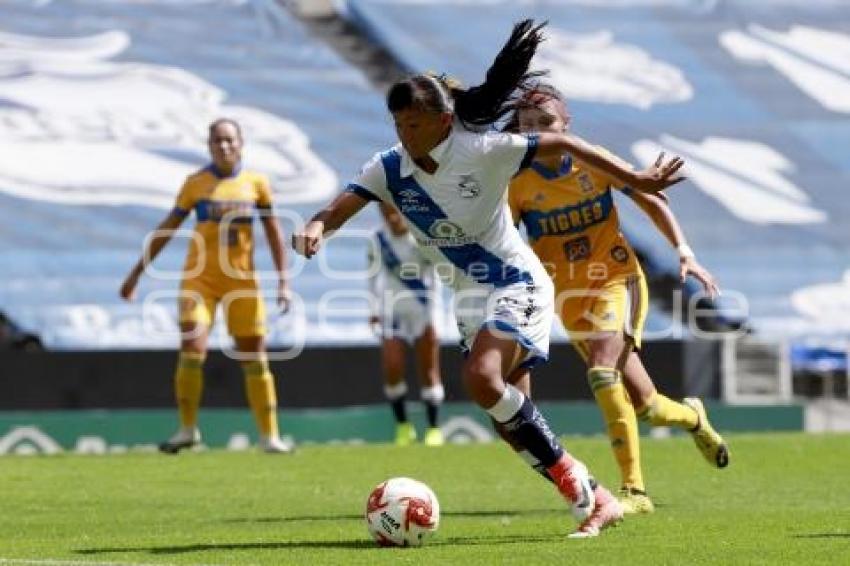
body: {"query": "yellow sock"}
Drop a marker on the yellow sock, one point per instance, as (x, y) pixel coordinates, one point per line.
(188, 385)
(663, 411)
(620, 421)
(259, 387)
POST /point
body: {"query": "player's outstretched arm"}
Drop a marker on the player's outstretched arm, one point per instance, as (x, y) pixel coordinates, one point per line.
(153, 245)
(650, 180)
(308, 240)
(659, 211)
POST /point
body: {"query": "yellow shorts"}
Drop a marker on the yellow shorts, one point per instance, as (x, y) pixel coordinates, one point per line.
(616, 304)
(241, 300)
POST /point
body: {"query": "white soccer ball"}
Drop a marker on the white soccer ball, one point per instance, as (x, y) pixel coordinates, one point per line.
(402, 512)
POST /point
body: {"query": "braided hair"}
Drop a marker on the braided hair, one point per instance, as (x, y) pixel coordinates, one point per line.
(480, 105)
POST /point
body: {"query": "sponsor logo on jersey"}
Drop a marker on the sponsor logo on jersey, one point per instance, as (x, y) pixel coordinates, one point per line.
(445, 229)
(410, 202)
(408, 196)
(445, 233)
(569, 219)
(577, 249)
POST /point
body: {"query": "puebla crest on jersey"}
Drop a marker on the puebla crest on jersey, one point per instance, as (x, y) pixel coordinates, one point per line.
(468, 187)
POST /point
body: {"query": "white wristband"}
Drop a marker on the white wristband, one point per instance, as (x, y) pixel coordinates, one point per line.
(685, 251)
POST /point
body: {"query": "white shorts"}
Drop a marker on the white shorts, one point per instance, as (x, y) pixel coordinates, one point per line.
(407, 323)
(522, 312)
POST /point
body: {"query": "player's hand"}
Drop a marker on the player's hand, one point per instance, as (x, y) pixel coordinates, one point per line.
(690, 266)
(284, 296)
(308, 241)
(128, 288)
(661, 175)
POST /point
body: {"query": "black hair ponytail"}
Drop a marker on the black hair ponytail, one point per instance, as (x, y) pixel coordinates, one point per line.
(488, 102)
(480, 105)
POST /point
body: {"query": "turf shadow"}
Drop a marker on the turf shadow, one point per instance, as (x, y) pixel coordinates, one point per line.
(306, 518)
(323, 544)
(823, 535)
(283, 545)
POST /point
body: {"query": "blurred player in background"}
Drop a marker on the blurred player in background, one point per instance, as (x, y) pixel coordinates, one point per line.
(219, 268)
(450, 182)
(403, 283)
(601, 294)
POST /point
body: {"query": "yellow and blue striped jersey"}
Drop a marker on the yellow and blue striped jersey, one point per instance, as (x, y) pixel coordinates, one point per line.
(224, 207)
(572, 223)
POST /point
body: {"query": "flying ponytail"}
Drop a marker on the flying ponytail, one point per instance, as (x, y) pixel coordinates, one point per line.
(480, 105)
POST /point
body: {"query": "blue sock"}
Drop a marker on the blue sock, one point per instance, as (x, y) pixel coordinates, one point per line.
(521, 419)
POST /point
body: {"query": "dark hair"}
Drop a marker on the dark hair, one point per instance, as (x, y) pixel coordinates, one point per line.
(479, 105)
(219, 121)
(533, 96)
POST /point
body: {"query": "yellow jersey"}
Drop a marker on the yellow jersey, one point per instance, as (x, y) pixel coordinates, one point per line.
(224, 208)
(572, 223)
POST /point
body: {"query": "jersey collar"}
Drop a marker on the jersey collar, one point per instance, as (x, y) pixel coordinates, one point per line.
(408, 167)
(548, 174)
(214, 170)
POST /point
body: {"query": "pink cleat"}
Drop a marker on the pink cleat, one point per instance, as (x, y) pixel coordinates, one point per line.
(573, 481)
(606, 512)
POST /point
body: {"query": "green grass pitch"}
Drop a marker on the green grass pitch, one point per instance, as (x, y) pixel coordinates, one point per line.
(784, 499)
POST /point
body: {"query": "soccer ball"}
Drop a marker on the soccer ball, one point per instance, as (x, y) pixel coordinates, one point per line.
(402, 512)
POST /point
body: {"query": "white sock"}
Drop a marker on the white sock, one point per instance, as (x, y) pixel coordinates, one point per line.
(508, 406)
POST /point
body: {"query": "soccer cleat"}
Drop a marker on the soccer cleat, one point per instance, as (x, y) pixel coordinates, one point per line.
(405, 434)
(573, 482)
(709, 442)
(276, 445)
(607, 511)
(635, 501)
(186, 437)
(433, 437)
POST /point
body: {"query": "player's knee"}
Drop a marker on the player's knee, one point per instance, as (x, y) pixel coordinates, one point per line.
(482, 379)
(605, 352)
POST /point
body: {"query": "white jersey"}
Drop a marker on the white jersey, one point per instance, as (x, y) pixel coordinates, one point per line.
(459, 215)
(461, 220)
(403, 283)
